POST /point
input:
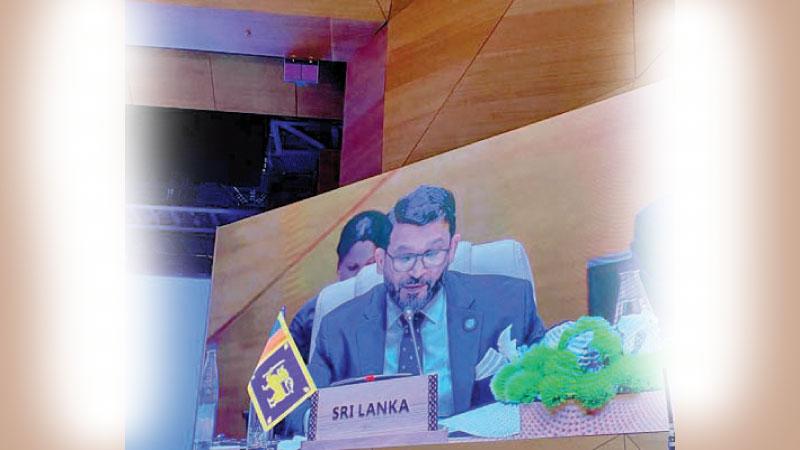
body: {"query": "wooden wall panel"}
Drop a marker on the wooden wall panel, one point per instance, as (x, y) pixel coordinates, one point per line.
(385, 5)
(653, 28)
(430, 45)
(212, 81)
(324, 100)
(342, 9)
(544, 58)
(169, 78)
(541, 59)
(251, 84)
(398, 5)
(362, 144)
(572, 199)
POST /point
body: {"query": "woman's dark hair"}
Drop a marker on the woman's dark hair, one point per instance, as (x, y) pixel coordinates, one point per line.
(370, 226)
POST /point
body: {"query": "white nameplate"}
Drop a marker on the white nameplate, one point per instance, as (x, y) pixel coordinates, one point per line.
(394, 407)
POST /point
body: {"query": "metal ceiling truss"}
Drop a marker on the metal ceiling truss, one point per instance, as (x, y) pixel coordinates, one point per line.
(188, 219)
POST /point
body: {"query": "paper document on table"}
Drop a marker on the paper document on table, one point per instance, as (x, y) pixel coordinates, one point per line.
(494, 420)
(293, 444)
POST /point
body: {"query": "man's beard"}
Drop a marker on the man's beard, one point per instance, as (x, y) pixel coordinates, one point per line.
(415, 302)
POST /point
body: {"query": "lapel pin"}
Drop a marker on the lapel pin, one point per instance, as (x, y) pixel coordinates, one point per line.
(470, 324)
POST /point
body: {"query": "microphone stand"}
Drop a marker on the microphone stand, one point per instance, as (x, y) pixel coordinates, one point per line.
(409, 315)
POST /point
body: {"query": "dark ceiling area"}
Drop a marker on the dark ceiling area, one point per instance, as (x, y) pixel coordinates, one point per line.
(190, 171)
(175, 147)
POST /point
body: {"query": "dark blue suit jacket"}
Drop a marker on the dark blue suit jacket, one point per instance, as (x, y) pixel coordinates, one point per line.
(301, 325)
(351, 338)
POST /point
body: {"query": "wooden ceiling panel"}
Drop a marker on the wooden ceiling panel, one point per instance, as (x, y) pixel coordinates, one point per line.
(169, 78)
(251, 84)
(430, 46)
(245, 32)
(341, 9)
(543, 59)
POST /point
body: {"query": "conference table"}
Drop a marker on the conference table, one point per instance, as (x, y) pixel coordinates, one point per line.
(628, 422)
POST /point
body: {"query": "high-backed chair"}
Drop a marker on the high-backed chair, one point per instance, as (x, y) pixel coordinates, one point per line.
(504, 257)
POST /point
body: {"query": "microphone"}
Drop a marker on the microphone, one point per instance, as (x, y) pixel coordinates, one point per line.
(408, 313)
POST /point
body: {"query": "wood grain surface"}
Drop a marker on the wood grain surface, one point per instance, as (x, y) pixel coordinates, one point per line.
(170, 78)
(431, 44)
(362, 145)
(219, 82)
(459, 73)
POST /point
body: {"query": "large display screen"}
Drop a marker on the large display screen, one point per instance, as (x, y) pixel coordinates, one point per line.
(472, 265)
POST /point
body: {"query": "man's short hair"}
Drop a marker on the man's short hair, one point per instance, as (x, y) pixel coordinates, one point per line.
(370, 226)
(425, 205)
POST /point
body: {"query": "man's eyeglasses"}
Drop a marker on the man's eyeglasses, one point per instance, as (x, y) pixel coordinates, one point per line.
(406, 261)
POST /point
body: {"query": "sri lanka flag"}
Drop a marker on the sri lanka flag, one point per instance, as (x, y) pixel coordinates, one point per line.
(281, 381)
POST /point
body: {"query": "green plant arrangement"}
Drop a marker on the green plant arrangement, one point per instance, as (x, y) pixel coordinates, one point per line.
(588, 367)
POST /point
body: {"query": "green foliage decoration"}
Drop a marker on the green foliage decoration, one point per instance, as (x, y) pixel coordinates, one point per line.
(605, 341)
(521, 386)
(500, 380)
(554, 375)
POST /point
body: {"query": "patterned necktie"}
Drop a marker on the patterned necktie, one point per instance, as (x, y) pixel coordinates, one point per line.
(408, 357)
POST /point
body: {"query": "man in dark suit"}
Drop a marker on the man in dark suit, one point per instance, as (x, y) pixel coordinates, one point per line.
(455, 318)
